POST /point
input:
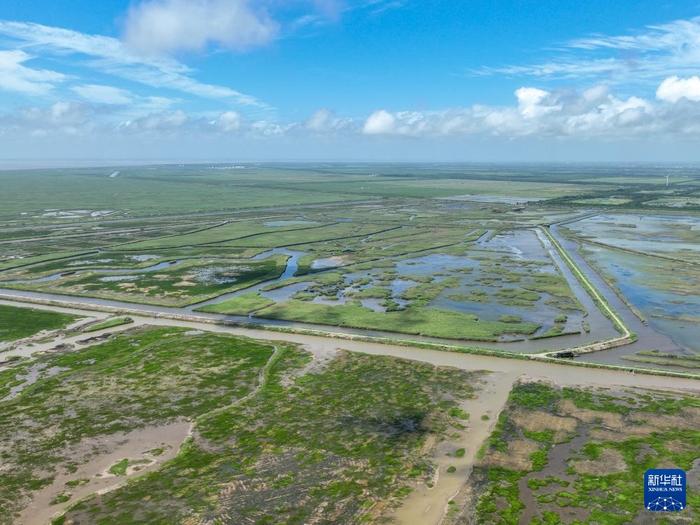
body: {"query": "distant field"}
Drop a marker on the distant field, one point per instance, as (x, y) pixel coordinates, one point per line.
(392, 187)
(659, 178)
(139, 191)
(17, 323)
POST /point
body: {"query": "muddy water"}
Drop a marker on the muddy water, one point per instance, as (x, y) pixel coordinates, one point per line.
(557, 464)
(529, 346)
(29, 346)
(428, 506)
(32, 376)
(558, 372)
(516, 245)
(601, 328)
(425, 506)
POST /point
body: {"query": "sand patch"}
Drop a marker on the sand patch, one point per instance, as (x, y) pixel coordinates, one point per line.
(182, 284)
(602, 434)
(609, 462)
(517, 457)
(688, 418)
(609, 420)
(536, 421)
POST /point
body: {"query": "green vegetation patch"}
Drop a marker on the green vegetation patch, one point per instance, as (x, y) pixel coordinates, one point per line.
(417, 321)
(108, 323)
(577, 455)
(331, 443)
(240, 305)
(17, 323)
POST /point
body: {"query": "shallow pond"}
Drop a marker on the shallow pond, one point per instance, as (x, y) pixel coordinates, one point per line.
(433, 263)
(299, 222)
(644, 233)
(640, 280)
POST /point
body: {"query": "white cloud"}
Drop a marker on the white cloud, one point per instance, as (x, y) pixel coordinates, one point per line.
(111, 56)
(674, 89)
(14, 76)
(66, 118)
(561, 115)
(269, 129)
(100, 94)
(319, 120)
(380, 123)
(228, 122)
(166, 26)
(164, 121)
(593, 113)
(532, 102)
(325, 121)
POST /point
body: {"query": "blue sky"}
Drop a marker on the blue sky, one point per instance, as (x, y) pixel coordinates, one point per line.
(350, 80)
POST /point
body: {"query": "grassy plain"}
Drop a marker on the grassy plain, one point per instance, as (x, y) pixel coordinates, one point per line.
(276, 437)
(268, 434)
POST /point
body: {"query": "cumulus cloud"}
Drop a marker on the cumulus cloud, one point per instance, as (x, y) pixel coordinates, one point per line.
(380, 123)
(532, 102)
(100, 94)
(67, 118)
(592, 113)
(15, 76)
(674, 89)
(325, 121)
(227, 122)
(166, 26)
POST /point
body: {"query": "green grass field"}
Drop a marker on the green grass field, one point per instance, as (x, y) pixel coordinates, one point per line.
(429, 321)
(17, 323)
